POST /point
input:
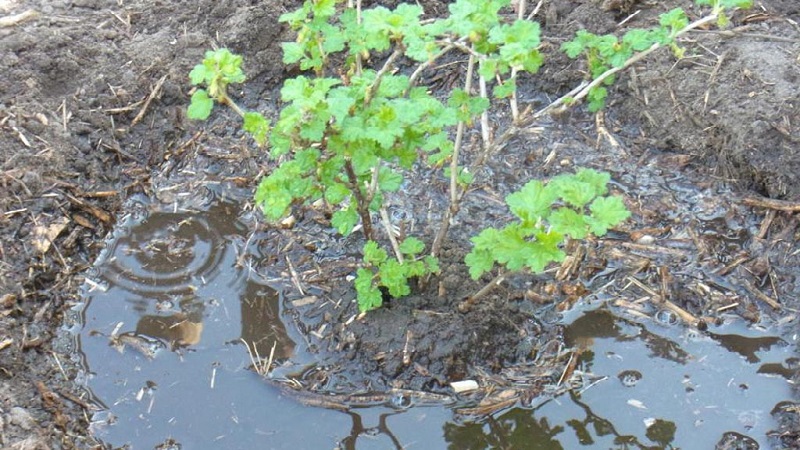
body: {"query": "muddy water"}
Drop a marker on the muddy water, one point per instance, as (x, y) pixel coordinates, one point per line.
(167, 310)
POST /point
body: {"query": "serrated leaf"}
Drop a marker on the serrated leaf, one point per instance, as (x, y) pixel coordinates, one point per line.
(200, 106)
(292, 52)
(295, 88)
(394, 278)
(544, 251)
(573, 48)
(432, 264)
(607, 212)
(374, 254)
(336, 193)
(488, 68)
(369, 297)
(638, 39)
(597, 98)
(573, 191)
(532, 203)
(273, 200)
(598, 180)
(345, 220)
(257, 125)
(389, 180)
(411, 246)
(506, 89)
(200, 73)
(568, 222)
(479, 262)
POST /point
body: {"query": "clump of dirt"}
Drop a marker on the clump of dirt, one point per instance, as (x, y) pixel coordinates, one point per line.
(732, 102)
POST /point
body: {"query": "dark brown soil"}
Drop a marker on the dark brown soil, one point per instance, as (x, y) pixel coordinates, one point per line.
(92, 101)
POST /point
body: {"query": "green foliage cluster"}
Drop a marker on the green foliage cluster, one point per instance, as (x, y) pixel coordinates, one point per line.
(381, 271)
(607, 51)
(603, 52)
(218, 69)
(347, 135)
(349, 139)
(570, 205)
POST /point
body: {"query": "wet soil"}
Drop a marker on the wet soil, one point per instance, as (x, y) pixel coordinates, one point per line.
(92, 102)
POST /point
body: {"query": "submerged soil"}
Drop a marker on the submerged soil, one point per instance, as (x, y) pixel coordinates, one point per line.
(92, 102)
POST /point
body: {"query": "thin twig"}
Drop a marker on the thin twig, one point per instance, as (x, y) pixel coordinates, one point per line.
(387, 225)
(578, 94)
(454, 191)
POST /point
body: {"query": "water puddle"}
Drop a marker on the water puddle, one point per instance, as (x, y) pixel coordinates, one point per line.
(167, 311)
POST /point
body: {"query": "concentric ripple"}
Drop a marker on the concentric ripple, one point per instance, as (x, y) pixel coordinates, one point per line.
(164, 254)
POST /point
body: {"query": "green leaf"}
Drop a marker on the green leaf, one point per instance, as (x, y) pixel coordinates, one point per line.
(598, 180)
(597, 98)
(272, 198)
(201, 105)
(479, 261)
(201, 74)
(506, 89)
(292, 52)
(675, 20)
(638, 39)
(568, 222)
(544, 251)
(736, 3)
(389, 180)
(394, 278)
(432, 264)
(411, 246)
(345, 220)
(575, 192)
(258, 126)
(573, 48)
(373, 254)
(336, 193)
(607, 212)
(532, 203)
(369, 297)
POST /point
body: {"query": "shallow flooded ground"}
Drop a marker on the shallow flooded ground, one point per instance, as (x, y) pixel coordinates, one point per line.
(173, 323)
(93, 113)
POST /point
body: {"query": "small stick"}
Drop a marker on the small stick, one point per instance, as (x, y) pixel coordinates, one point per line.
(467, 304)
(771, 203)
(295, 279)
(387, 225)
(762, 296)
(153, 94)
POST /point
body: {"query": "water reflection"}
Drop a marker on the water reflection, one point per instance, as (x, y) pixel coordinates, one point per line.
(170, 283)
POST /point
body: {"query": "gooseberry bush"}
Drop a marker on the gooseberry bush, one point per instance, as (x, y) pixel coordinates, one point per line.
(354, 125)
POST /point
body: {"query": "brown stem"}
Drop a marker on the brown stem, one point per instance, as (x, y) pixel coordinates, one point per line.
(455, 192)
(361, 204)
(467, 304)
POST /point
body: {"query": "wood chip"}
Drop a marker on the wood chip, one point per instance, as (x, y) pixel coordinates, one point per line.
(464, 386)
(43, 236)
(305, 301)
(16, 19)
(8, 300)
(5, 343)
